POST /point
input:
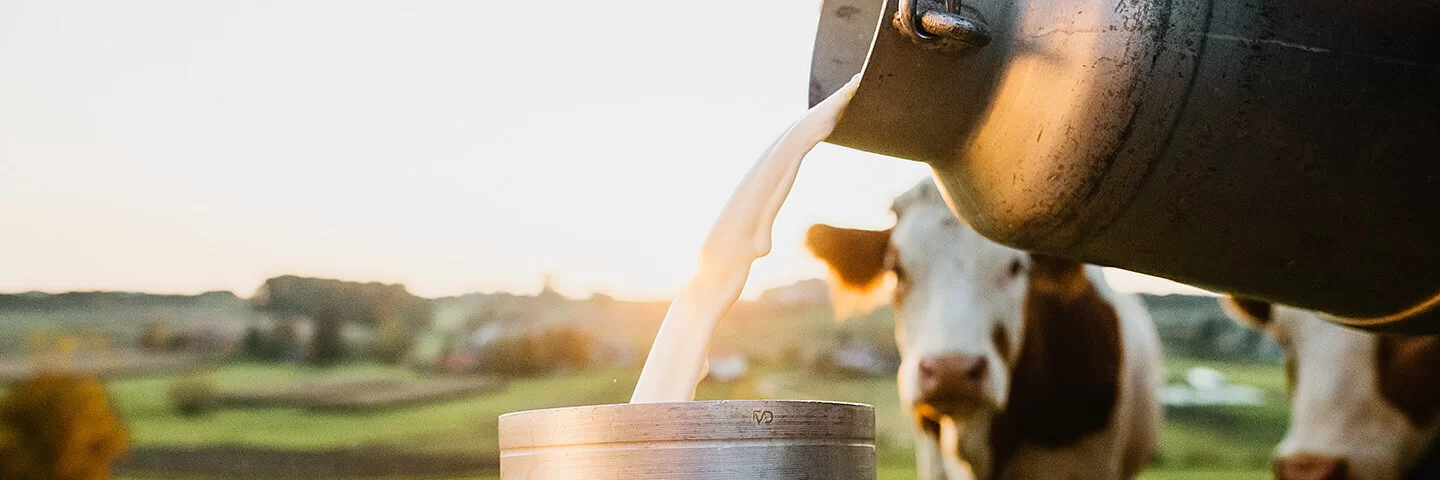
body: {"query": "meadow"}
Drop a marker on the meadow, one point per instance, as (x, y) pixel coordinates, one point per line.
(455, 437)
(1197, 442)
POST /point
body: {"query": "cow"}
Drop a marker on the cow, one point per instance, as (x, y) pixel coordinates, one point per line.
(1363, 405)
(1013, 364)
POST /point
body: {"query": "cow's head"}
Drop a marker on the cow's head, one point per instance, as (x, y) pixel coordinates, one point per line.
(958, 298)
(1363, 406)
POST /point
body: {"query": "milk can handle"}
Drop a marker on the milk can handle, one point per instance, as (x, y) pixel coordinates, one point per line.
(951, 30)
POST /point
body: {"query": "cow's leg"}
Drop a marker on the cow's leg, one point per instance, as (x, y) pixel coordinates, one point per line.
(929, 464)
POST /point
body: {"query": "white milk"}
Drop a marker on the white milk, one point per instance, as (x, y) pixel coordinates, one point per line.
(741, 234)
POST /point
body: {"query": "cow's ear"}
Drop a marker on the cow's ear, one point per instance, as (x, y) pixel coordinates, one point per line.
(1248, 311)
(856, 257)
(857, 261)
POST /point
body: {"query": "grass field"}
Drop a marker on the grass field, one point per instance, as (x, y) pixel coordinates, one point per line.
(1197, 443)
(1200, 438)
(465, 425)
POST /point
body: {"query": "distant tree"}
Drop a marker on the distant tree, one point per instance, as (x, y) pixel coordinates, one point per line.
(539, 352)
(327, 345)
(548, 295)
(389, 309)
(535, 356)
(256, 344)
(158, 336)
(394, 339)
(567, 347)
(507, 356)
(285, 341)
(359, 303)
(1252, 345)
(1210, 336)
(182, 341)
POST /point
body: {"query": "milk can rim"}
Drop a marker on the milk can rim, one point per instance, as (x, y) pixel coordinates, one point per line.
(675, 423)
(692, 402)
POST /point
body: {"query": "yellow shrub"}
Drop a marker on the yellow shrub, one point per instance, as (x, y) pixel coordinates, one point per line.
(58, 427)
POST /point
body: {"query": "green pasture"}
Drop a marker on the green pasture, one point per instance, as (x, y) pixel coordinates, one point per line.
(1197, 443)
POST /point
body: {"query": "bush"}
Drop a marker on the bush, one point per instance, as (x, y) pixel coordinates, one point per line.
(566, 348)
(59, 427)
(193, 396)
(517, 355)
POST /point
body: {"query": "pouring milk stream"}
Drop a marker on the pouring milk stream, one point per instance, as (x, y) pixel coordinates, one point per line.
(741, 234)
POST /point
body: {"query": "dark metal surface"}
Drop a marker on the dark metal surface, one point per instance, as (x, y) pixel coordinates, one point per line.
(1280, 149)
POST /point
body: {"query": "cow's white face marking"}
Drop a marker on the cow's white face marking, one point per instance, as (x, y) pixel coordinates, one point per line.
(955, 292)
(1337, 409)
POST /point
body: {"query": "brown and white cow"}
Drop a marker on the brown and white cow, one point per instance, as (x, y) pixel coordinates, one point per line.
(1363, 406)
(1014, 365)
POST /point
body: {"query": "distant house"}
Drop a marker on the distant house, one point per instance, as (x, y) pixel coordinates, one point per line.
(464, 354)
(1205, 386)
(728, 368)
(486, 334)
(457, 361)
(865, 358)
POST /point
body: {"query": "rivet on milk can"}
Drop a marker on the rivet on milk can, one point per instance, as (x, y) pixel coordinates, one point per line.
(1277, 149)
(719, 440)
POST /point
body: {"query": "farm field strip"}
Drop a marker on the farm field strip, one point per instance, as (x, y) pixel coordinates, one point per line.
(1198, 443)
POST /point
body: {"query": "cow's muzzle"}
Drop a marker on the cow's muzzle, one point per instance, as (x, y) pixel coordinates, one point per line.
(953, 384)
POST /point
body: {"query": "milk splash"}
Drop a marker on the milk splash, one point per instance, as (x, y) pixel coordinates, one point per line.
(741, 234)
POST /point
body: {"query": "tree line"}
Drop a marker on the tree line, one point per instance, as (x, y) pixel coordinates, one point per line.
(394, 315)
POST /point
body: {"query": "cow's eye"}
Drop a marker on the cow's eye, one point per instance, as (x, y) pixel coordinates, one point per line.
(1016, 267)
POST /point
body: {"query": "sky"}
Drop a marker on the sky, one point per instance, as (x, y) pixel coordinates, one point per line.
(453, 145)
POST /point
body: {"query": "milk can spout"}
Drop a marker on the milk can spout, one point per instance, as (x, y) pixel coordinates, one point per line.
(1276, 149)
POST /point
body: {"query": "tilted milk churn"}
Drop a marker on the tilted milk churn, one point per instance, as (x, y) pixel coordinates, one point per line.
(1281, 149)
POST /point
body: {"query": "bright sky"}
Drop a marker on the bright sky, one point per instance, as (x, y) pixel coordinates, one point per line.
(453, 145)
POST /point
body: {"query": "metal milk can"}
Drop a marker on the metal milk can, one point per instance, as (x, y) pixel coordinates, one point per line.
(1280, 149)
